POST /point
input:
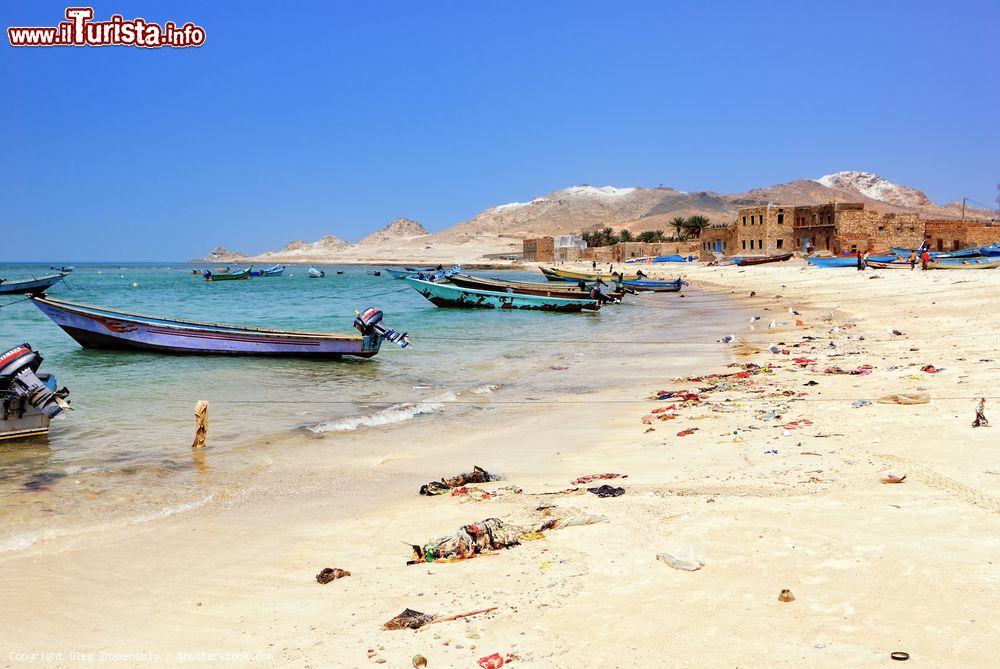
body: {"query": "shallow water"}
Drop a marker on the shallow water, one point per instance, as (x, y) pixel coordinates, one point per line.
(123, 454)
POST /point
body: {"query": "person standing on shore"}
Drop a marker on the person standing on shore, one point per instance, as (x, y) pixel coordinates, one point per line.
(861, 261)
(912, 259)
(864, 259)
(925, 257)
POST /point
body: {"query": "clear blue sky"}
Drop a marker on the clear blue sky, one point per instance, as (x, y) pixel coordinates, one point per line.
(339, 116)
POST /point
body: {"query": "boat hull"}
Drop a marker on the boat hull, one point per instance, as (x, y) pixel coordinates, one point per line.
(448, 295)
(568, 275)
(655, 286)
(748, 261)
(969, 263)
(527, 288)
(98, 328)
(31, 285)
(847, 261)
(229, 276)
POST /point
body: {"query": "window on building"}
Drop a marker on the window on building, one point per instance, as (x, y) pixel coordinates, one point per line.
(744, 220)
(751, 244)
(881, 228)
(779, 243)
(954, 245)
(744, 245)
(753, 220)
(760, 243)
(781, 219)
(940, 245)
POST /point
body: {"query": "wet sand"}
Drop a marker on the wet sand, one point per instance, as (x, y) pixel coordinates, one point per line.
(769, 502)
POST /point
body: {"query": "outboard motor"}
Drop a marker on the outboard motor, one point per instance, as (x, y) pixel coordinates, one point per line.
(18, 382)
(369, 323)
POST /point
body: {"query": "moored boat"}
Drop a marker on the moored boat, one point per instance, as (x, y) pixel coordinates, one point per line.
(29, 399)
(101, 328)
(893, 264)
(675, 257)
(316, 273)
(567, 290)
(66, 269)
(556, 274)
(240, 275)
(746, 261)
(32, 285)
(274, 270)
(429, 274)
(847, 261)
(961, 253)
(655, 286)
(450, 295)
(964, 263)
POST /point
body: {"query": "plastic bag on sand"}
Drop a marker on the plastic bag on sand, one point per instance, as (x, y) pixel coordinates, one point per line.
(905, 398)
(685, 558)
(582, 519)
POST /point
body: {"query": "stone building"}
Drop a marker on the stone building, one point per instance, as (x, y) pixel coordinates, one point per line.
(539, 249)
(947, 235)
(763, 230)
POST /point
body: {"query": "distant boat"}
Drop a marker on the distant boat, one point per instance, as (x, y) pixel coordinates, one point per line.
(449, 295)
(97, 327)
(847, 261)
(429, 274)
(64, 270)
(29, 285)
(745, 261)
(964, 263)
(675, 257)
(555, 274)
(240, 275)
(274, 270)
(565, 290)
(316, 273)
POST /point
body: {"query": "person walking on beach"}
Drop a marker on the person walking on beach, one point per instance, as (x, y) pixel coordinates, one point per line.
(861, 261)
(912, 259)
(925, 257)
(864, 259)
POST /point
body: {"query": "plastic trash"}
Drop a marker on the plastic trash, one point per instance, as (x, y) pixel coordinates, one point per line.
(494, 661)
(892, 477)
(905, 398)
(685, 558)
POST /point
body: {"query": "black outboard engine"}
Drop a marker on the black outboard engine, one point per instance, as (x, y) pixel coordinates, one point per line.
(18, 382)
(369, 323)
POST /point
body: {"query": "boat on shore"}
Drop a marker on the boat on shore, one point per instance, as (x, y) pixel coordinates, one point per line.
(566, 290)
(241, 275)
(892, 264)
(32, 285)
(556, 274)
(964, 263)
(655, 286)
(450, 295)
(427, 275)
(29, 399)
(847, 261)
(747, 261)
(274, 270)
(101, 328)
(961, 253)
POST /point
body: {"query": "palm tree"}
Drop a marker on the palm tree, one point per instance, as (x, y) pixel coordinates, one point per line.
(695, 225)
(679, 224)
(659, 235)
(588, 238)
(625, 235)
(646, 236)
(609, 235)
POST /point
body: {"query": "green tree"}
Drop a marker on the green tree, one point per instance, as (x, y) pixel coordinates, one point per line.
(646, 236)
(625, 235)
(694, 225)
(679, 224)
(659, 236)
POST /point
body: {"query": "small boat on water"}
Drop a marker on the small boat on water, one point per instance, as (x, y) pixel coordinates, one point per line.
(29, 399)
(316, 273)
(240, 275)
(97, 327)
(32, 285)
(449, 295)
(555, 274)
(274, 270)
(64, 270)
(655, 286)
(746, 261)
(428, 274)
(565, 290)
(964, 263)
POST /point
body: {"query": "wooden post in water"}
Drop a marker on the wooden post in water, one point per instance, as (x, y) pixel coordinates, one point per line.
(200, 424)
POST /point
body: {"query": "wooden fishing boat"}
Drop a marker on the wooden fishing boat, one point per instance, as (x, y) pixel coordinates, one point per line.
(555, 274)
(32, 285)
(274, 270)
(962, 253)
(847, 261)
(97, 327)
(655, 286)
(964, 263)
(746, 261)
(431, 274)
(241, 275)
(449, 295)
(64, 269)
(566, 290)
(895, 264)
(316, 273)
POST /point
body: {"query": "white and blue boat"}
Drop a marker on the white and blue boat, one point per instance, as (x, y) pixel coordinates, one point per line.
(31, 285)
(450, 295)
(428, 275)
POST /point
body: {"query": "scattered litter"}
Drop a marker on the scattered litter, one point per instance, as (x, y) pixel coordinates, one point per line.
(408, 619)
(494, 661)
(331, 574)
(607, 491)
(772, 451)
(900, 655)
(786, 596)
(893, 331)
(685, 559)
(478, 475)
(570, 521)
(419, 661)
(468, 541)
(857, 404)
(892, 477)
(598, 477)
(684, 433)
(931, 369)
(905, 398)
(981, 415)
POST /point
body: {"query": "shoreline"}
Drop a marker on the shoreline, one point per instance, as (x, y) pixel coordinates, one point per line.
(872, 566)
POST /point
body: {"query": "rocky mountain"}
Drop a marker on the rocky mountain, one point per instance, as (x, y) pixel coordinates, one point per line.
(875, 187)
(399, 229)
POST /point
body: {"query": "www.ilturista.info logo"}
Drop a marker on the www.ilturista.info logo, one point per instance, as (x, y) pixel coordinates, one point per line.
(80, 30)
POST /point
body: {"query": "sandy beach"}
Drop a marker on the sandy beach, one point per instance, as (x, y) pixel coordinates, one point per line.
(770, 476)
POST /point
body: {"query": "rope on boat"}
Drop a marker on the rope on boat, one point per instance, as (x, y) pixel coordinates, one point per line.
(25, 299)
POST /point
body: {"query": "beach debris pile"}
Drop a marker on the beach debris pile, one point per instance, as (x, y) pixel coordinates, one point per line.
(905, 398)
(980, 420)
(589, 478)
(411, 619)
(477, 475)
(331, 574)
(892, 477)
(607, 491)
(786, 596)
(468, 541)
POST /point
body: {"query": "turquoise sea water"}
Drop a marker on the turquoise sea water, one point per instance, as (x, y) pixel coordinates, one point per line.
(127, 441)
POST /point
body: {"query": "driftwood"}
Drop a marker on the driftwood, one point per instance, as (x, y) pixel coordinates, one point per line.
(200, 424)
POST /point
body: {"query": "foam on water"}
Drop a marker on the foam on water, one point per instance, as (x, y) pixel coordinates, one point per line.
(397, 413)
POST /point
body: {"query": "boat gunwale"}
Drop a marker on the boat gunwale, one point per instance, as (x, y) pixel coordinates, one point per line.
(494, 293)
